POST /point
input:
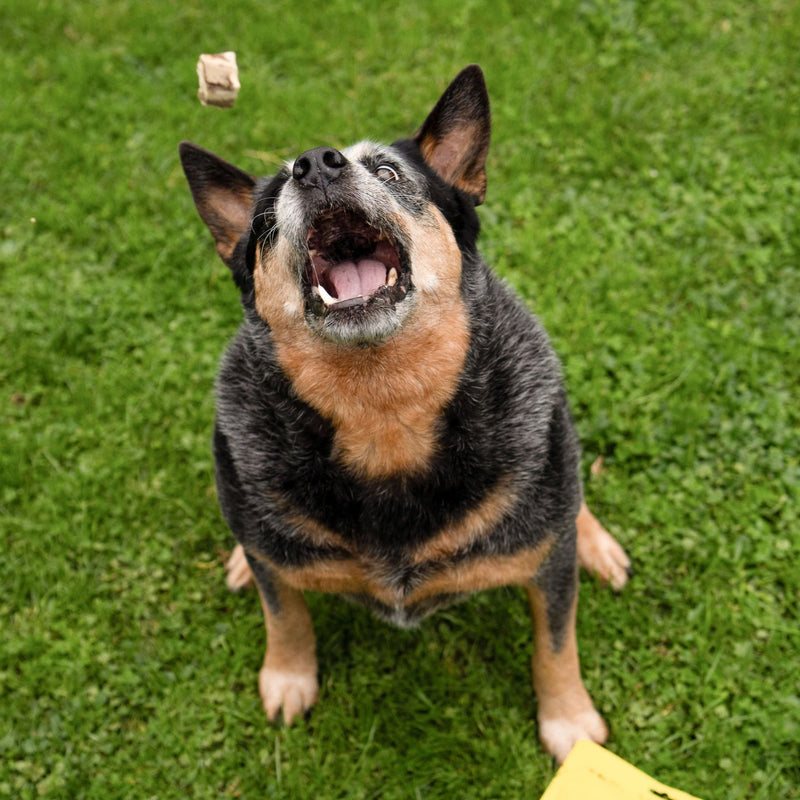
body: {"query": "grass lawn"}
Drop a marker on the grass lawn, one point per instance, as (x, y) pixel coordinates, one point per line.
(644, 197)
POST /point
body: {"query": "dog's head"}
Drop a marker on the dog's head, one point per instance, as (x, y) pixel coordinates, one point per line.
(349, 243)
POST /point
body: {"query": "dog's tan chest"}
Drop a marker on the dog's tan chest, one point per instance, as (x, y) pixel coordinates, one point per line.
(384, 401)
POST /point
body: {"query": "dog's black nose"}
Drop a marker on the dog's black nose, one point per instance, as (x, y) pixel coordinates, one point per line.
(318, 167)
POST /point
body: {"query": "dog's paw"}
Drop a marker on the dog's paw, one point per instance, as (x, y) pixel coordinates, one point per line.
(599, 552)
(559, 734)
(294, 692)
(238, 574)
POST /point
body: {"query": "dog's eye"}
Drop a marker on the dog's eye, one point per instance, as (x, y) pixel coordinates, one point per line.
(386, 173)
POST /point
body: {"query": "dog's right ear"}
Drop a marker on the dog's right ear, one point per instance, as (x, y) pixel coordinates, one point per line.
(222, 193)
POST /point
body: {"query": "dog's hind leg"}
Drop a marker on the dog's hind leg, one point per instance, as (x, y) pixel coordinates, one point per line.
(599, 552)
(566, 713)
(288, 679)
(238, 574)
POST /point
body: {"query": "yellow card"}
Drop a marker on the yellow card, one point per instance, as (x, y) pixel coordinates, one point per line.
(591, 771)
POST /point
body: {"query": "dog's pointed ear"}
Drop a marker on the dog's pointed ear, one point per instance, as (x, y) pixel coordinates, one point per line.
(454, 139)
(222, 193)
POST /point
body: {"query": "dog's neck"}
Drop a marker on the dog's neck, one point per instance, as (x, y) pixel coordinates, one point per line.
(384, 401)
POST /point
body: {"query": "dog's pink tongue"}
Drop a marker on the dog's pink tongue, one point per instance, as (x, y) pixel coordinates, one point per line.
(344, 279)
(372, 274)
(357, 280)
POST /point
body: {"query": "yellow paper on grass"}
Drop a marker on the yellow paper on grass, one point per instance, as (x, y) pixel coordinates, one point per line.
(594, 773)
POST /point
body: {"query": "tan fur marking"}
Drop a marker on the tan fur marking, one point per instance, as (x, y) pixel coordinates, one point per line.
(336, 577)
(383, 400)
(279, 301)
(287, 680)
(227, 214)
(238, 573)
(435, 257)
(485, 573)
(313, 532)
(599, 552)
(290, 635)
(566, 712)
(476, 524)
(556, 675)
(453, 158)
(355, 576)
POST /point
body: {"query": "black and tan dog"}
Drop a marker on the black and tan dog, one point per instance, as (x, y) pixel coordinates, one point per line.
(391, 420)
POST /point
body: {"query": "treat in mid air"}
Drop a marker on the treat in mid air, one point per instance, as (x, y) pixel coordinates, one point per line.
(219, 79)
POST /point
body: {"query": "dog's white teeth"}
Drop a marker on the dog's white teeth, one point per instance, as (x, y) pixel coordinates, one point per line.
(326, 298)
(391, 280)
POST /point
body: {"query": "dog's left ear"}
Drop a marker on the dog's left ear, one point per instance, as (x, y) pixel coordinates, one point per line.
(454, 139)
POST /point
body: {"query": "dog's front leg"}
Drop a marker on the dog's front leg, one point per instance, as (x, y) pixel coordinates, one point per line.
(288, 679)
(566, 713)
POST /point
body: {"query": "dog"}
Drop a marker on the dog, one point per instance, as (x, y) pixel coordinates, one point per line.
(391, 422)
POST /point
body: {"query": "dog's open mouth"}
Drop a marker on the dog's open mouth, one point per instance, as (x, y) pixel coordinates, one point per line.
(352, 263)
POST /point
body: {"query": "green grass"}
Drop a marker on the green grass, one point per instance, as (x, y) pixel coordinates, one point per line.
(644, 196)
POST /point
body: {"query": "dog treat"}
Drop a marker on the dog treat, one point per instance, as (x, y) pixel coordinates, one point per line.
(219, 79)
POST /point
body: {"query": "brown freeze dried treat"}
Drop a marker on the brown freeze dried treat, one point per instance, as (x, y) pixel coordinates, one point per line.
(219, 79)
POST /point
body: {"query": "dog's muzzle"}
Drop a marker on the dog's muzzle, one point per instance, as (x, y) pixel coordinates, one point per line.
(352, 260)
